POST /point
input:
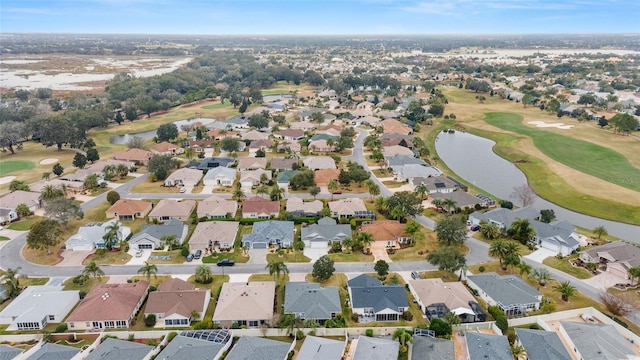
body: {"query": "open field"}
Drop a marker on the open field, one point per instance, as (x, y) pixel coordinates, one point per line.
(8, 167)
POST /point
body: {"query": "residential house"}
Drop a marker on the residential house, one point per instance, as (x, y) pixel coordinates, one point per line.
(116, 349)
(284, 177)
(247, 304)
(278, 164)
(215, 207)
(129, 209)
(37, 306)
(197, 344)
(396, 150)
(326, 135)
(542, 345)
(394, 126)
(350, 207)
(317, 348)
(460, 198)
(14, 199)
(322, 177)
(257, 348)
(436, 184)
(257, 207)
(319, 162)
(7, 215)
(264, 145)
(504, 217)
(238, 122)
(389, 232)
(166, 148)
(288, 147)
(175, 302)
(199, 146)
(331, 105)
(50, 351)
(391, 139)
(137, 156)
(321, 145)
(10, 353)
(151, 236)
(303, 125)
(509, 292)
(251, 178)
(298, 207)
(167, 209)
(214, 162)
(252, 163)
(275, 233)
(596, 341)
(368, 120)
(184, 177)
(616, 258)
(318, 236)
(410, 171)
(437, 298)
(254, 135)
(210, 234)
(481, 346)
(220, 176)
(370, 299)
(370, 348)
(402, 160)
(309, 301)
(109, 306)
(430, 348)
(90, 236)
(290, 134)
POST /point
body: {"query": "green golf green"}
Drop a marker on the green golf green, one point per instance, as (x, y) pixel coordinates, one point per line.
(7, 167)
(581, 155)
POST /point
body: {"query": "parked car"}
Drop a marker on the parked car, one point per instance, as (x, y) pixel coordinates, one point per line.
(337, 192)
(475, 227)
(139, 253)
(226, 262)
(198, 254)
(415, 275)
(183, 190)
(189, 257)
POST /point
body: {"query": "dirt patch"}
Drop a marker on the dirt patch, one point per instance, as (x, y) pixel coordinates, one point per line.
(48, 161)
(6, 179)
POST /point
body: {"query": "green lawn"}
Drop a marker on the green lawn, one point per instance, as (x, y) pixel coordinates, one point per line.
(24, 224)
(217, 106)
(7, 167)
(356, 256)
(581, 155)
(3, 238)
(564, 266)
(287, 257)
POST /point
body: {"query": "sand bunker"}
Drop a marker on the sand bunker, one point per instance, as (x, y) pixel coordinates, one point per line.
(6, 179)
(48, 161)
(542, 124)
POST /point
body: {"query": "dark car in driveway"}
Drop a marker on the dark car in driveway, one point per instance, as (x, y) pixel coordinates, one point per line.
(226, 262)
(189, 257)
(475, 227)
(197, 254)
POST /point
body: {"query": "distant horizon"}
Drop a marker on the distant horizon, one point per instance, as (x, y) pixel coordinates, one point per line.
(320, 34)
(317, 17)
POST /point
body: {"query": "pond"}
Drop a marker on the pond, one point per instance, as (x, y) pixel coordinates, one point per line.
(146, 135)
(473, 159)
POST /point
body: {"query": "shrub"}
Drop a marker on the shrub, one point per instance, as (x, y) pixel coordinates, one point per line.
(548, 307)
(440, 327)
(60, 328)
(204, 324)
(407, 316)
(152, 342)
(369, 332)
(132, 337)
(112, 197)
(184, 251)
(300, 335)
(82, 294)
(300, 245)
(535, 327)
(150, 320)
(502, 324)
(481, 269)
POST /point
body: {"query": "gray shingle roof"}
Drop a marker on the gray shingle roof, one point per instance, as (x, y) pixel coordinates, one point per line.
(326, 229)
(254, 348)
(426, 348)
(484, 346)
(51, 351)
(507, 290)
(265, 231)
(506, 216)
(114, 349)
(370, 348)
(309, 298)
(315, 348)
(8, 352)
(171, 227)
(374, 295)
(400, 160)
(542, 345)
(597, 341)
(184, 348)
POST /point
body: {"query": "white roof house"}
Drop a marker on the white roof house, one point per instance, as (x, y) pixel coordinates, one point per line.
(90, 236)
(184, 176)
(220, 176)
(37, 306)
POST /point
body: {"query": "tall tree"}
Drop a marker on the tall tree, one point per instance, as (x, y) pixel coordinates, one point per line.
(203, 274)
(167, 132)
(147, 270)
(94, 270)
(50, 192)
(566, 290)
(422, 191)
(63, 210)
(522, 231)
(525, 194)
(43, 235)
(11, 280)
(323, 268)
(447, 258)
(276, 268)
(490, 231)
(79, 160)
(92, 155)
(332, 186)
(600, 231)
(451, 231)
(381, 267)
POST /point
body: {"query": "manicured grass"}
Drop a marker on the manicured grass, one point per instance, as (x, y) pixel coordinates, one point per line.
(583, 156)
(87, 286)
(217, 106)
(356, 256)
(564, 266)
(549, 185)
(429, 243)
(3, 238)
(7, 167)
(287, 257)
(154, 187)
(24, 224)
(392, 184)
(236, 256)
(109, 258)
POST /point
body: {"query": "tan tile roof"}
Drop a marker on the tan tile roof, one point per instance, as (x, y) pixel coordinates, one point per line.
(323, 176)
(259, 205)
(176, 296)
(245, 301)
(175, 284)
(384, 230)
(164, 147)
(133, 155)
(12, 200)
(174, 208)
(433, 291)
(223, 231)
(252, 163)
(129, 207)
(216, 205)
(395, 126)
(110, 302)
(293, 133)
(347, 206)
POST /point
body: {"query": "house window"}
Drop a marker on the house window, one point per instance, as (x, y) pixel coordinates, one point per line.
(253, 323)
(109, 324)
(52, 317)
(165, 218)
(121, 324)
(72, 325)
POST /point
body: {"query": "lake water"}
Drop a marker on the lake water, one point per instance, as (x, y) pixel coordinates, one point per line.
(146, 135)
(473, 159)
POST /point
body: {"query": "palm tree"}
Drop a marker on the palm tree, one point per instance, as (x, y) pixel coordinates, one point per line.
(438, 203)
(364, 239)
(122, 170)
(541, 275)
(93, 269)
(600, 231)
(566, 290)
(524, 268)
(203, 274)
(112, 235)
(276, 193)
(169, 241)
(310, 324)
(50, 192)
(330, 143)
(374, 189)
(490, 231)
(11, 280)
(148, 270)
(522, 231)
(347, 243)
(450, 203)
(46, 175)
(498, 250)
(422, 191)
(518, 352)
(398, 213)
(332, 186)
(403, 336)
(512, 251)
(261, 190)
(634, 273)
(189, 153)
(108, 171)
(382, 204)
(276, 267)
(238, 195)
(451, 318)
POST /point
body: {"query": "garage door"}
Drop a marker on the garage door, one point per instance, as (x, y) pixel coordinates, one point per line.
(318, 245)
(259, 245)
(145, 247)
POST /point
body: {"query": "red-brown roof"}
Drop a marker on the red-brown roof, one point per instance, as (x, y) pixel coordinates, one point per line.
(129, 207)
(384, 230)
(164, 147)
(259, 205)
(110, 302)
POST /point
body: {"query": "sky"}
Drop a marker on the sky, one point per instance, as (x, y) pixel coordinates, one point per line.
(292, 17)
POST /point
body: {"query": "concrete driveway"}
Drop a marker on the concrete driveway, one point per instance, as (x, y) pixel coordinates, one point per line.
(73, 258)
(314, 254)
(540, 254)
(257, 256)
(605, 280)
(207, 189)
(379, 251)
(138, 260)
